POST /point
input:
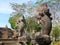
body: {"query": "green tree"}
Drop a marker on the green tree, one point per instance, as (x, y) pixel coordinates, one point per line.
(12, 21)
(18, 11)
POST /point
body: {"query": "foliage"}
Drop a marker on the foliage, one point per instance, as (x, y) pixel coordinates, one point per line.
(56, 32)
(21, 10)
(12, 21)
(30, 43)
(32, 25)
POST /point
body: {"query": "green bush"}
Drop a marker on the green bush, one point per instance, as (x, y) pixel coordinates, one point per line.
(56, 32)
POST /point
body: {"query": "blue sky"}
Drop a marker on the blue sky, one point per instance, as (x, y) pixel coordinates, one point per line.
(5, 10)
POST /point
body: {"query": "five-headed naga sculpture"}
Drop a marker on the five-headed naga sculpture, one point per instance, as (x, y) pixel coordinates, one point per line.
(43, 17)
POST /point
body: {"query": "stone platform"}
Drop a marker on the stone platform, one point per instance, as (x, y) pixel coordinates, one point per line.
(8, 41)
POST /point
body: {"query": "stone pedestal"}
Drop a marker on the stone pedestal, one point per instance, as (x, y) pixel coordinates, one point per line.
(43, 41)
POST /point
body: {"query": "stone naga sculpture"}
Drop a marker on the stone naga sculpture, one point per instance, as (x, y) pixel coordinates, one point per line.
(43, 17)
(22, 36)
(21, 23)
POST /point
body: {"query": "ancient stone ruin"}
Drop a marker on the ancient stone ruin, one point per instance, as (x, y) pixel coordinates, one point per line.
(19, 37)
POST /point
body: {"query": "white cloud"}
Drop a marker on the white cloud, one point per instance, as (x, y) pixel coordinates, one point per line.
(5, 8)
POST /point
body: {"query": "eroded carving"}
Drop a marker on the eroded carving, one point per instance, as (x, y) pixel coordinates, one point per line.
(43, 17)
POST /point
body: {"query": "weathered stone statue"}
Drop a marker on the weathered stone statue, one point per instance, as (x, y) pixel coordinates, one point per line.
(20, 25)
(43, 17)
(21, 35)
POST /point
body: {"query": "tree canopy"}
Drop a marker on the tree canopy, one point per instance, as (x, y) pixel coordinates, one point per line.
(29, 9)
